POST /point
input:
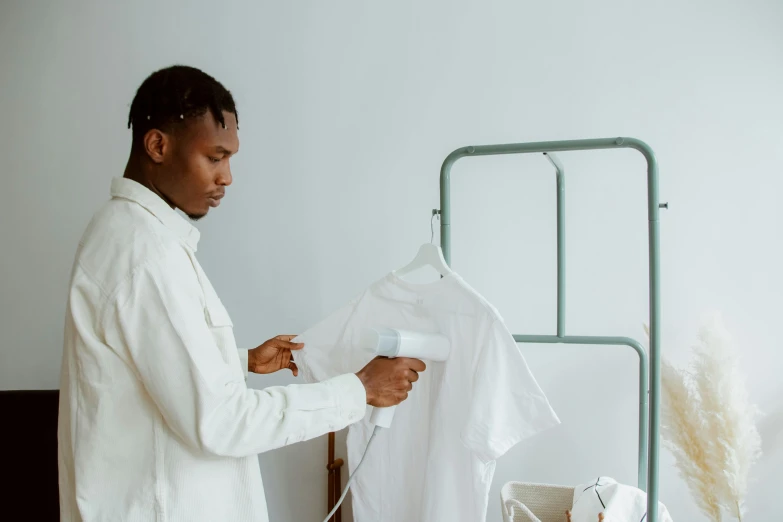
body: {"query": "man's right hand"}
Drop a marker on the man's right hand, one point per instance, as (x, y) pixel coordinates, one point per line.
(388, 381)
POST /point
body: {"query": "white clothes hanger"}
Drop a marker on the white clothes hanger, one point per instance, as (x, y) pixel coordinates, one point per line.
(429, 254)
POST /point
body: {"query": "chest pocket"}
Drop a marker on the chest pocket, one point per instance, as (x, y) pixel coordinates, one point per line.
(221, 328)
(220, 325)
(215, 313)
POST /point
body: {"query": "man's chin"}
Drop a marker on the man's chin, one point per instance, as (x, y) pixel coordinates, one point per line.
(196, 217)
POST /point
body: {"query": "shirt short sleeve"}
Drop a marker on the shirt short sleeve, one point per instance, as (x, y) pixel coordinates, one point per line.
(327, 351)
(507, 405)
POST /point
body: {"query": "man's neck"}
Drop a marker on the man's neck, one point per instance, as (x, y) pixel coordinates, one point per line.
(136, 171)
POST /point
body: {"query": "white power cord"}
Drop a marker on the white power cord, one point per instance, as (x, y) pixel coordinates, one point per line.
(355, 471)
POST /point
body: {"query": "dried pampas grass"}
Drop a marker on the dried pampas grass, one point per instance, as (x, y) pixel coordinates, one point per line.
(709, 425)
(681, 430)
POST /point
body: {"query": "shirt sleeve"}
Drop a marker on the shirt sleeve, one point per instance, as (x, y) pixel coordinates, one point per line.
(507, 405)
(244, 360)
(328, 350)
(158, 317)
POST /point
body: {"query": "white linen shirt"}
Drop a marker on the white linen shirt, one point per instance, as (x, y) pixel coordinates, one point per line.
(156, 422)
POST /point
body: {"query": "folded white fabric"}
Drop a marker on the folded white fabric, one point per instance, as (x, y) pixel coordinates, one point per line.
(617, 502)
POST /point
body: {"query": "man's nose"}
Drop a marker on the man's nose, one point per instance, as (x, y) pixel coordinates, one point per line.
(224, 177)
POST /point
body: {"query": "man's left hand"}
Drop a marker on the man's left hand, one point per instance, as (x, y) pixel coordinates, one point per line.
(274, 355)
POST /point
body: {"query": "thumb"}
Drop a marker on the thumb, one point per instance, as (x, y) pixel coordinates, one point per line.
(285, 358)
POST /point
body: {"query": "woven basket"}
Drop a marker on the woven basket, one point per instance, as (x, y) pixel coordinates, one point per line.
(526, 502)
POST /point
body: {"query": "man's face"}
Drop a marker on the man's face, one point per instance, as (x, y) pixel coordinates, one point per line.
(195, 163)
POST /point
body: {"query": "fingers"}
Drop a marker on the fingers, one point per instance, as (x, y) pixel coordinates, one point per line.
(388, 381)
(288, 362)
(284, 344)
(405, 381)
(414, 364)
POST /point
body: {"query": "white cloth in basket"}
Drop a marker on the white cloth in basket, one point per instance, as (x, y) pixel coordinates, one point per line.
(618, 503)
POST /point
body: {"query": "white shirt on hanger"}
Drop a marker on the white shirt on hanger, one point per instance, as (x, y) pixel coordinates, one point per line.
(156, 422)
(437, 459)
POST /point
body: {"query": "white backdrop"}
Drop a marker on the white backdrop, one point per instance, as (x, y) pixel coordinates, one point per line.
(347, 110)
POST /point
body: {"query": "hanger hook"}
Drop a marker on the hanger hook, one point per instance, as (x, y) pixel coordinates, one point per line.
(435, 212)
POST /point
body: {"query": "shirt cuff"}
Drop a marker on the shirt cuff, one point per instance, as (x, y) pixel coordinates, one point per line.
(243, 360)
(351, 396)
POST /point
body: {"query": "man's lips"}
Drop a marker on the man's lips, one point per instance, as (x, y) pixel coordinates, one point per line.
(214, 201)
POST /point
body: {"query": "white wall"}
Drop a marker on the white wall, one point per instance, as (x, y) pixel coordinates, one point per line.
(347, 110)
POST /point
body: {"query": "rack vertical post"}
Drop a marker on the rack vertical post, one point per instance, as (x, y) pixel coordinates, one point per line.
(649, 370)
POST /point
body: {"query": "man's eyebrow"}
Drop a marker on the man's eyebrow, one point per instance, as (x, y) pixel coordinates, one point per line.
(222, 150)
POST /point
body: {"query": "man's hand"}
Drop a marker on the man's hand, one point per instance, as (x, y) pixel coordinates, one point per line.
(274, 355)
(388, 381)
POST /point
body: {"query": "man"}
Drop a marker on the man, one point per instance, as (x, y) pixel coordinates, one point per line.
(156, 421)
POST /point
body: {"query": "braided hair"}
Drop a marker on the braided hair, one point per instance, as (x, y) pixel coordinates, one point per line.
(171, 96)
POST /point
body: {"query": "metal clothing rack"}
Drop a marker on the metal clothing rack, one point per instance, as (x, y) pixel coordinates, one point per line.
(649, 374)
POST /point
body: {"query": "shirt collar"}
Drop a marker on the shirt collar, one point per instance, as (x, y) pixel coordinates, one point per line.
(133, 191)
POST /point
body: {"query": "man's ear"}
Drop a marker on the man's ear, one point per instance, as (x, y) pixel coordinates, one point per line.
(156, 143)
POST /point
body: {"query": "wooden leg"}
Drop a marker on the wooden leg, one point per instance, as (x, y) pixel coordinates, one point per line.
(330, 493)
(330, 498)
(334, 486)
(338, 515)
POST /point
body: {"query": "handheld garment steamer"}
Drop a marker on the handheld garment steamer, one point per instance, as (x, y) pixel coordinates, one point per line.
(390, 342)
